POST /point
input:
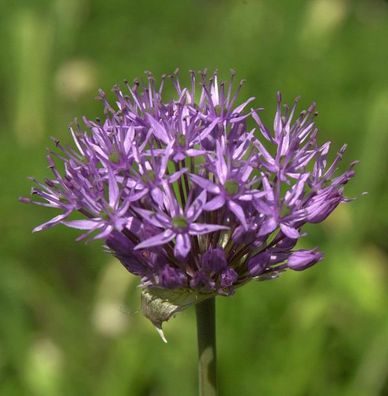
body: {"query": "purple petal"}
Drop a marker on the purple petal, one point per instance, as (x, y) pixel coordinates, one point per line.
(228, 277)
(290, 232)
(239, 212)
(170, 201)
(266, 155)
(128, 138)
(138, 195)
(302, 259)
(268, 189)
(171, 278)
(106, 231)
(264, 208)
(202, 281)
(175, 176)
(165, 158)
(286, 243)
(156, 240)
(153, 153)
(268, 226)
(205, 132)
(284, 144)
(182, 245)
(241, 107)
(278, 125)
(321, 207)
(156, 219)
(195, 152)
(55, 220)
(205, 184)
(195, 208)
(157, 195)
(241, 235)
(214, 260)
(246, 173)
(200, 229)
(249, 196)
(264, 131)
(122, 248)
(238, 119)
(158, 130)
(82, 224)
(298, 189)
(259, 263)
(215, 203)
(114, 193)
(179, 156)
(221, 167)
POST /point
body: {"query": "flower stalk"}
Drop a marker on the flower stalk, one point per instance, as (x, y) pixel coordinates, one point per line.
(207, 356)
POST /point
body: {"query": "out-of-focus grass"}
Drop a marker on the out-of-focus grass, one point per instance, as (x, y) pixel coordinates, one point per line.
(69, 320)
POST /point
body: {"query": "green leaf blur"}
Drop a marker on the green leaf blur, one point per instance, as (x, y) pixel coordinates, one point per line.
(69, 313)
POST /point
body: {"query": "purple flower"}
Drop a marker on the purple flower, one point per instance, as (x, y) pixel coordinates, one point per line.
(214, 260)
(302, 259)
(233, 186)
(176, 223)
(188, 197)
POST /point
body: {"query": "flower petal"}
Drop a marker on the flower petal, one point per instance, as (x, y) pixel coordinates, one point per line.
(137, 195)
(289, 231)
(156, 240)
(302, 259)
(157, 195)
(268, 226)
(216, 203)
(175, 176)
(195, 152)
(200, 229)
(156, 219)
(205, 183)
(106, 231)
(114, 193)
(205, 132)
(55, 220)
(221, 167)
(82, 224)
(182, 245)
(195, 208)
(158, 129)
(239, 212)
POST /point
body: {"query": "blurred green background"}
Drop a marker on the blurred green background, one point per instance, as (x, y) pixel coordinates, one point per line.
(69, 320)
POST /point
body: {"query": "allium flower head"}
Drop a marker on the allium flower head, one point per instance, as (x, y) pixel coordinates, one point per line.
(186, 194)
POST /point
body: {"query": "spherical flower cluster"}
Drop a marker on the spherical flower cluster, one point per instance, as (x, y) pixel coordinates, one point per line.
(195, 193)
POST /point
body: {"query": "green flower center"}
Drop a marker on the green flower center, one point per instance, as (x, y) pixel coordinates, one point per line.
(148, 176)
(114, 157)
(218, 110)
(231, 187)
(182, 140)
(179, 222)
(105, 214)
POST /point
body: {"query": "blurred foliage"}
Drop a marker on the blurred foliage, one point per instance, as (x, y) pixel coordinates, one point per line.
(69, 321)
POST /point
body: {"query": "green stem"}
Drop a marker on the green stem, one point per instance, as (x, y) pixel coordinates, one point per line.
(206, 333)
